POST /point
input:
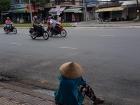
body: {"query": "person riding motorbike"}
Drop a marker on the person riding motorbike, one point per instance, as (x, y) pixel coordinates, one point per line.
(38, 29)
(36, 25)
(8, 21)
(53, 25)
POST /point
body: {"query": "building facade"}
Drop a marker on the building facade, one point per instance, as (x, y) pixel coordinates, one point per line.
(118, 11)
(67, 10)
(20, 11)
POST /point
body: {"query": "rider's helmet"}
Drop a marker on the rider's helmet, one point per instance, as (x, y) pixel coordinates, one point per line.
(49, 17)
(35, 18)
(8, 18)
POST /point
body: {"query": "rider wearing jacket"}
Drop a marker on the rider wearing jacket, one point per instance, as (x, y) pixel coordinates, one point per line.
(8, 21)
(36, 24)
(52, 24)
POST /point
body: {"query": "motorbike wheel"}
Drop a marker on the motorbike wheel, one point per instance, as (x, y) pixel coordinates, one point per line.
(45, 35)
(6, 31)
(50, 33)
(15, 31)
(63, 33)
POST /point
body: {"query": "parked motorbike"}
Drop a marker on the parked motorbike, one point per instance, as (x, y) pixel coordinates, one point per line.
(34, 33)
(58, 30)
(9, 28)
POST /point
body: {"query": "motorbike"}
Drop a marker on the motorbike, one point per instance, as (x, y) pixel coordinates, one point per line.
(58, 30)
(34, 33)
(9, 28)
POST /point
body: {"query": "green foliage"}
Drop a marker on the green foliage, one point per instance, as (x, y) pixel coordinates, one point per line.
(0, 22)
(67, 25)
(4, 5)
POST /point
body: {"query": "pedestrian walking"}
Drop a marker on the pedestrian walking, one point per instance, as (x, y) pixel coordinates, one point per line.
(73, 88)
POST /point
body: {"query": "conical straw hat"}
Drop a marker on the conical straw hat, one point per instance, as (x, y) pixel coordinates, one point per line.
(71, 70)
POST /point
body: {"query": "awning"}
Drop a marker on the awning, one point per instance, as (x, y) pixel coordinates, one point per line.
(55, 10)
(73, 10)
(5, 13)
(126, 3)
(22, 10)
(52, 10)
(110, 9)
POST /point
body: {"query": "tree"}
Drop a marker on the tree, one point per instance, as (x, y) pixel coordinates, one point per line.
(4, 5)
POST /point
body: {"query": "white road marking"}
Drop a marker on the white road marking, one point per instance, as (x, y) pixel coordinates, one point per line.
(107, 27)
(65, 47)
(15, 43)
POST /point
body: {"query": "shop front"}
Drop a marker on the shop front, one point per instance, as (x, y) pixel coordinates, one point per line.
(20, 13)
(111, 13)
(73, 15)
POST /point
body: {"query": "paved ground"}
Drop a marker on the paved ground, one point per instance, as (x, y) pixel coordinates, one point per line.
(109, 55)
(14, 95)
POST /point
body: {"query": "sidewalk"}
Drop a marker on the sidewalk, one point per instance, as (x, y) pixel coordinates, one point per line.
(14, 95)
(94, 23)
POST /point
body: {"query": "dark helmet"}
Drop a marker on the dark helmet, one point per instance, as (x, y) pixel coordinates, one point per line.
(49, 17)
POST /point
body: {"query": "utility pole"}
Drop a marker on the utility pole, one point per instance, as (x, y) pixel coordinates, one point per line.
(138, 11)
(85, 10)
(31, 15)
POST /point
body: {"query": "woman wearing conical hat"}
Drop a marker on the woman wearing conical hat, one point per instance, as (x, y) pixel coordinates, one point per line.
(72, 87)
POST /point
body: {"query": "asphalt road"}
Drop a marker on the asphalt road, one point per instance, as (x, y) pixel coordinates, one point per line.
(110, 57)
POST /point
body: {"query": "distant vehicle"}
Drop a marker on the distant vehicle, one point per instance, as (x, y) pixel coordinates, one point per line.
(36, 33)
(9, 28)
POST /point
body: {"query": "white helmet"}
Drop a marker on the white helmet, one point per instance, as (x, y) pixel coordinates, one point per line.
(35, 17)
